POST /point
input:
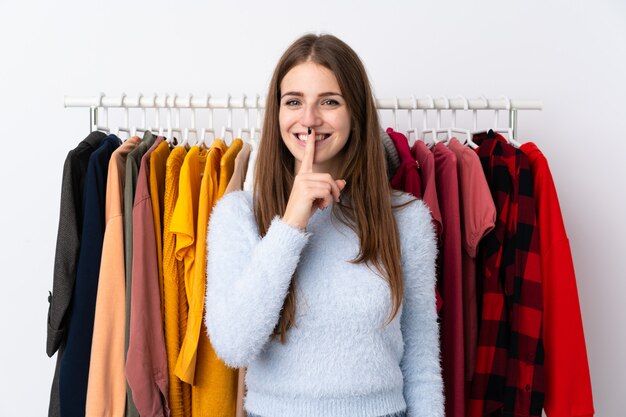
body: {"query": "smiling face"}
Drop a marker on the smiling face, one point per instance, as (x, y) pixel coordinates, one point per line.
(310, 97)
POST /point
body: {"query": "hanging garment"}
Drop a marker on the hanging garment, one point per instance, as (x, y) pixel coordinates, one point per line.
(74, 371)
(214, 391)
(241, 392)
(391, 154)
(184, 225)
(407, 176)
(106, 389)
(68, 236)
(248, 184)
(478, 216)
(509, 375)
(174, 297)
(241, 166)
(227, 166)
(426, 162)
(146, 362)
(66, 255)
(450, 281)
(158, 162)
(568, 384)
(133, 160)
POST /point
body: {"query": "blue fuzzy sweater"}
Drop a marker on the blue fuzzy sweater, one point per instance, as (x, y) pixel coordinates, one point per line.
(340, 360)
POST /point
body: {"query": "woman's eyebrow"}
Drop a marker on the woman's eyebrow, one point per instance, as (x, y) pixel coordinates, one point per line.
(329, 93)
(299, 94)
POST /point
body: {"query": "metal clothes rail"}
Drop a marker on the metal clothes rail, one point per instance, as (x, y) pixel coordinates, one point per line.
(175, 102)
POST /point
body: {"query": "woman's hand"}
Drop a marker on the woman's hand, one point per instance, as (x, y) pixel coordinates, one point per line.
(310, 190)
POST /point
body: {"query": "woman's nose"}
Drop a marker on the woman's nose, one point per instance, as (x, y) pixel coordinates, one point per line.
(310, 117)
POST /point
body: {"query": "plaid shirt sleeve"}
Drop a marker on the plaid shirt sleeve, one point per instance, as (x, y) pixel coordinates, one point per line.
(509, 363)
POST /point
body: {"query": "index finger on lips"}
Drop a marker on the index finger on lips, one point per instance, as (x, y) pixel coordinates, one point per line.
(309, 154)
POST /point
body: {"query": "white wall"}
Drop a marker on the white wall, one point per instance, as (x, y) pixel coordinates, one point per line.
(569, 54)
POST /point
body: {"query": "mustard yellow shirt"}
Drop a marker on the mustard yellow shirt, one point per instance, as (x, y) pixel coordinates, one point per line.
(184, 224)
(227, 165)
(174, 297)
(214, 391)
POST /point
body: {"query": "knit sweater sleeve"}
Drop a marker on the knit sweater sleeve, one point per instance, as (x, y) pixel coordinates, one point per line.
(423, 385)
(247, 277)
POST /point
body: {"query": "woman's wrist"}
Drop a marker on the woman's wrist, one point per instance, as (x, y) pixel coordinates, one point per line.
(293, 223)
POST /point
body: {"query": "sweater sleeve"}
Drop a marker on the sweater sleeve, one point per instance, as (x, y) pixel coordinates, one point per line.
(423, 385)
(247, 277)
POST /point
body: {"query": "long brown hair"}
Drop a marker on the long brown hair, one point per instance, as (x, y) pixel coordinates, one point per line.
(365, 201)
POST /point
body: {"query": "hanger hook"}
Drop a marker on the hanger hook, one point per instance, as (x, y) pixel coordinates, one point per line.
(446, 106)
(121, 105)
(510, 131)
(395, 108)
(446, 101)
(454, 115)
(410, 112)
(163, 105)
(126, 115)
(465, 107)
(166, 106)
(202, 139)
(465, 102)
(228, 127)
(496, 117)
(508, 103)
(431, 103)
(105, 113)
(246, 116)
(259, 112)
(143, 114)
(475, 112)
(157, 112)
(482, 96)
(193, 120)
(101, 105)
(170, 116)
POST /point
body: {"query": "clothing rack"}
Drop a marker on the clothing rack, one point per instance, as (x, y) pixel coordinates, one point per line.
(174, 103)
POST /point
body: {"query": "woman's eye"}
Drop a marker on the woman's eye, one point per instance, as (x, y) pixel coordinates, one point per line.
(329, 102)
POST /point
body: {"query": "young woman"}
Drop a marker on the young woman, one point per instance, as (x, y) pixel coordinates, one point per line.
(322, 281)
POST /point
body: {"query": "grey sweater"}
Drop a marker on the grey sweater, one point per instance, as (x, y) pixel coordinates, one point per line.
(340, 359)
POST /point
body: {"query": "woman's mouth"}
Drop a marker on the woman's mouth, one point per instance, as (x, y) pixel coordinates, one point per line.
(302, 138)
